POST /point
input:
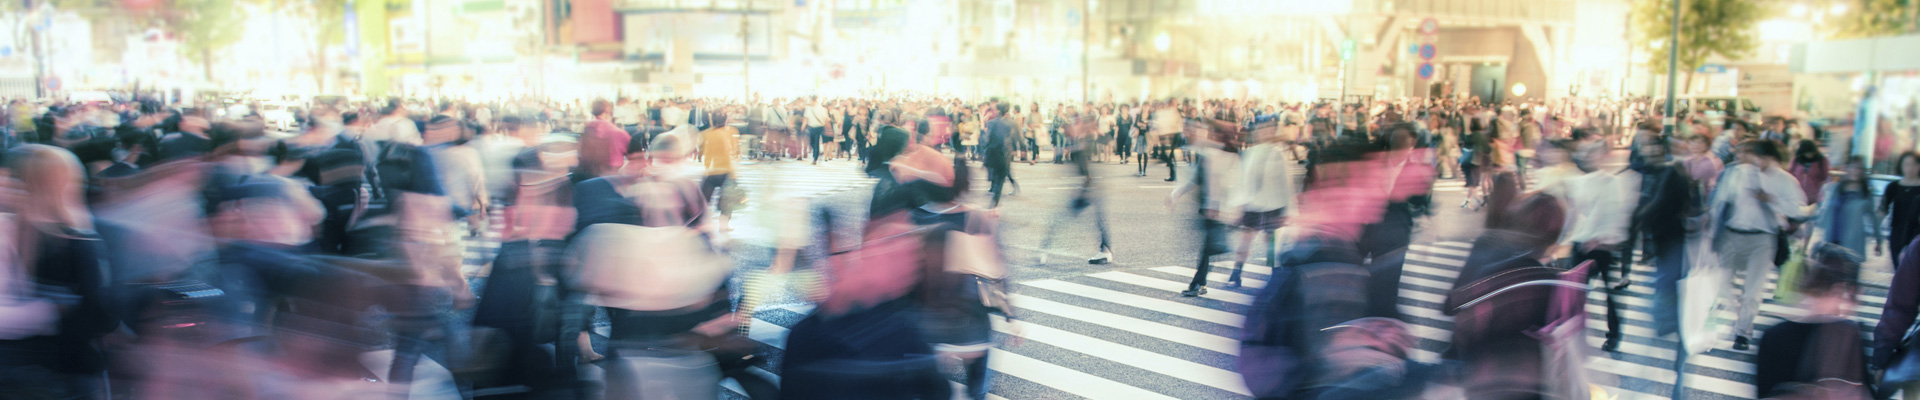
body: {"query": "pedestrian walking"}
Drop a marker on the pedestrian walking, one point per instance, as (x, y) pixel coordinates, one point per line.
(1756, 202)
(1264, 195)
(1209, 181)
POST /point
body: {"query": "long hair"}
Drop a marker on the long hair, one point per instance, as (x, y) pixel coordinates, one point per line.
(52, 200)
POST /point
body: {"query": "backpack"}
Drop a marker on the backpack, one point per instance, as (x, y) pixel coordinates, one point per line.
(393, 167)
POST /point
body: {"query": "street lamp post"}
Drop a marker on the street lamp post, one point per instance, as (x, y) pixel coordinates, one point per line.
(1673, 63)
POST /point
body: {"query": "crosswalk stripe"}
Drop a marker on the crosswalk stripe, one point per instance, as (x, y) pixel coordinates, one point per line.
(1214, 276)
(1128, 324)
(1171, 286)
(1128, 355)
(1065, 379)
(1141, 302)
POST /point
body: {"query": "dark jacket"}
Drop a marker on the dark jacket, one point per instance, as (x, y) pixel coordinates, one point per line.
(1500, 359)
(71, 268)
(1666, 200)
(1903, 302)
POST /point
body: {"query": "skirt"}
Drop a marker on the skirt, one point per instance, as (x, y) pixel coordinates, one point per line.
(1262, 220)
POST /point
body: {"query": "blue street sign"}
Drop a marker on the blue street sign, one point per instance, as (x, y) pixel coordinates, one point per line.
(6, 51)
(1427, 51)
(1713, 68)
(1426, 71)
(1413, 48)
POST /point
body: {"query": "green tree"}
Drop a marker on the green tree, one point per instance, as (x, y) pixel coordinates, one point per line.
(204, 26)
(1708, 28)
(1867, 18)
(326, 20)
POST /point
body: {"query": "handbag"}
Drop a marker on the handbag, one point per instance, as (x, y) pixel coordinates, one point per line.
(1786, 290)
(1905, 367)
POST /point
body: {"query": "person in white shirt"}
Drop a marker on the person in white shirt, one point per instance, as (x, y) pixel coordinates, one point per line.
(627, 115)
(816, 118)
(1754, 201)
(1215, 171)
(674, 115)
(1264, 196)
(393, 126)
(1601, 205)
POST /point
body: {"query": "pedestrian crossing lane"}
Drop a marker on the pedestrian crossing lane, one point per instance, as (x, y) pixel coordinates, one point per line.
(1128, 334)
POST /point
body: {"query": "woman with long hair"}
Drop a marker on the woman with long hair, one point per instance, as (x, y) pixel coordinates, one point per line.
(1901, 203)
(47, 350)
(1847, 213)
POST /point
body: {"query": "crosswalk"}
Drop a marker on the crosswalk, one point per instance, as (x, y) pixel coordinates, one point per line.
(1127, 334)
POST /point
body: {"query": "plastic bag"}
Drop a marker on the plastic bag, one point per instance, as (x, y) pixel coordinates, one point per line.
(1700, 298)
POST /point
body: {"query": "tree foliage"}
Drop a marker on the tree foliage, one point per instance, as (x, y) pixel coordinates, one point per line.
(1867, 18)
(1708, 28)
(204, 26)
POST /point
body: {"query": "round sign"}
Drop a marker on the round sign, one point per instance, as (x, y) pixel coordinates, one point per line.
(53, 83)
(1429, 26)
(1426, 70)
(1427, 51)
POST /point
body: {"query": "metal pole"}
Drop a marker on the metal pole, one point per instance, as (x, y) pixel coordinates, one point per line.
(1086, 37)
(1673, 65)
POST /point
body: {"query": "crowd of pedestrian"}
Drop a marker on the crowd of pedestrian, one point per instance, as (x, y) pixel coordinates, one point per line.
(162, 252)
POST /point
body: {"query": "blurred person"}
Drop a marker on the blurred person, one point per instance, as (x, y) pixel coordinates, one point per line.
(1500, 313)
(1666, 200)
(1406, 183)
(1210, 182)
(816, 118)
(1900, 202)
(1604, 206)
(1264, 195)
(1846, 211)
(627, 114)
(1818, 353)
(1810, 167)
(394, 125)
(1087, 195)
(190, 141)
(964, 273)
(1000, 131)
(603, 146)
(1474, 165)
(1755, 202)
(634, 229)
(497, 147)
(718, 152)
(864, 338)
(56, 275)
(462, 174)
(1702, 166)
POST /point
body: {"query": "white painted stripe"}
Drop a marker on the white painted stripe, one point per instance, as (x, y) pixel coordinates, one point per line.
(1134, 357)
(768, 332)
(1665, 375)
(1171, 286)
(1457, 245)
(1439, 250)
(1142, 302)
(1217, 275)
(1129, 324)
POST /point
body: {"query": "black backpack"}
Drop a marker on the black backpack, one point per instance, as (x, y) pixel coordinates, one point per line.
(393, 168)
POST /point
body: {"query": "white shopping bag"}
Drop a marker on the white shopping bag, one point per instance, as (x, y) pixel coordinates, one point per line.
(1700, 298)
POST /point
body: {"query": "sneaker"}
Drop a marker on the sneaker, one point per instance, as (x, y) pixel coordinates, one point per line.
(1740, 343)
(1043, 258)
(1102, 258)
(1194, 292)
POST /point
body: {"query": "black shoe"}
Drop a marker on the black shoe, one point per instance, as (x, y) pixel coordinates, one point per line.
(1169, 179)
(1233, 283)
(1611, 346)
(1624, 284)
(1740, 343)
(1194, 292)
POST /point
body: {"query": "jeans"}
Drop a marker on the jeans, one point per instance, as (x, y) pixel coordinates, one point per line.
(422, 328)
(1669, 261)
(1749, 255)
(998, 172)
(816, 136)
